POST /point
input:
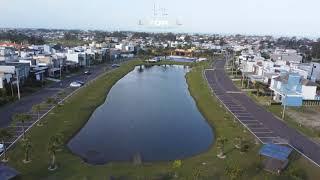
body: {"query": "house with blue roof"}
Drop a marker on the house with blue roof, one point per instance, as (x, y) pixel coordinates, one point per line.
(291, 89)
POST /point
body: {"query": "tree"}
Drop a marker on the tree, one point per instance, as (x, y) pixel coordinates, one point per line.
(27, 147)
(4, 135)
(53, 146)
(37, 109)
(22, 118)
(220, 144)
(238, 142)
(258, 85)
(58, 139)
(51, 100)
(175, 166)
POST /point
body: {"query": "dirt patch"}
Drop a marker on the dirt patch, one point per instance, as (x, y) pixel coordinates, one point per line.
(307, 116)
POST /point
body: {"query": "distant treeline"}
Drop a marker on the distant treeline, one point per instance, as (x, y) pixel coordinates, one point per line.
(17, 37)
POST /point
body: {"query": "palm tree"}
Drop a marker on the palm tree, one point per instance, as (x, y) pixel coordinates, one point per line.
(238, 142)
(4, 135)
(221, 142)
(51, 100)
(53, 146)
(22, 118)
(176, 165)
(37, 109)
(258, 86)
(27, 146)
(58, 139)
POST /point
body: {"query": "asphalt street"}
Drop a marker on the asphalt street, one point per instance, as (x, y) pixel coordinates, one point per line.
(25, 103)
(263, 124)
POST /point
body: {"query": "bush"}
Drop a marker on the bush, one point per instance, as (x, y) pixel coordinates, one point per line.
(295, 173)
(244, 148)
(233, 172)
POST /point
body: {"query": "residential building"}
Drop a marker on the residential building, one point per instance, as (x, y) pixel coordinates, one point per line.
(291, 89)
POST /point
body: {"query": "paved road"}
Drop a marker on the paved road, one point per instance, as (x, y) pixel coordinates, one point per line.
(266, 127)
(26, 103)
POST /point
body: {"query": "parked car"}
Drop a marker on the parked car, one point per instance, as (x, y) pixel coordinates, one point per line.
(115, 65)
(80, 82)
(75, 84)
(1, 148)
(87, 72)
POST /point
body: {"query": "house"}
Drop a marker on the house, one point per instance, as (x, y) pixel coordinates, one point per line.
(4, 78)
(9, 71)
(78, 57)
(119, 46)
(286, 56)
(7, 54)
(291, 89)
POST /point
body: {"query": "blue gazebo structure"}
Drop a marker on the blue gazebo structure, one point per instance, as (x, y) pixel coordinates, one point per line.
(276, 157)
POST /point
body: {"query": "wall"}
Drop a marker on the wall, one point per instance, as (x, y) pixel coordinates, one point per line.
(309, 92)
(295, 101)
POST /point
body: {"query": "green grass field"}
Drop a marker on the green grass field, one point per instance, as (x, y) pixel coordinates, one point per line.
(69, 118)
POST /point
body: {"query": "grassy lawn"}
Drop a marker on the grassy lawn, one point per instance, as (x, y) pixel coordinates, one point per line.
(69, 118)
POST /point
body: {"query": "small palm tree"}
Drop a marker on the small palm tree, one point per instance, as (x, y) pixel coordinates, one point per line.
(53, 147)
(58, 139)
(238, 142)
(258, 86)
(4, 135)
(37, 109)
(22, 118)
(27, 147)
(221, 142)
(175, 166)
(51, 100)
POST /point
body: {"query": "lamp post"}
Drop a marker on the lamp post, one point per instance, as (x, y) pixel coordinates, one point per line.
(313, 66)
(18, 83)
(284, 107)
(60, 73)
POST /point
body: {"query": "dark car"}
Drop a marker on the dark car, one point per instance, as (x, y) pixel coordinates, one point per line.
(115, 65)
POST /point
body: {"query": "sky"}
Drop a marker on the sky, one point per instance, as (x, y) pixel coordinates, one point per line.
(260, 17)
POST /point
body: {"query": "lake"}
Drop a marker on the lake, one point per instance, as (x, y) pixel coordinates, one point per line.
(148, 115)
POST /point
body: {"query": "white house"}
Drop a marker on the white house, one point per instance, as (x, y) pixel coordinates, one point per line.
(77, 57)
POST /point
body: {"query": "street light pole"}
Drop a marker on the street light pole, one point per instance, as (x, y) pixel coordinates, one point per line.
(18, 83)
(284, 107)
(60, 73)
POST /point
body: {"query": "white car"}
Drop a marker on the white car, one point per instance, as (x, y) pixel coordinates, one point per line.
(1, 148)
(75, 84)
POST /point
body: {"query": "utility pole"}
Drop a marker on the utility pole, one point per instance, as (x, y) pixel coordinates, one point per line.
(18, 83)
(60, 73)
(284, 107)
(242, 80)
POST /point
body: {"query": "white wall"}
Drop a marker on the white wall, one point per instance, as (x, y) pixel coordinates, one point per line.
(74, 57)
(309, 92)
(7, 69)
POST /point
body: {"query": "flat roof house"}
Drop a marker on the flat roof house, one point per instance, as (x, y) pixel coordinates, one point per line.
(291, 89)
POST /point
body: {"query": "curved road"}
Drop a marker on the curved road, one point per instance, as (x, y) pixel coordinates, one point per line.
(263, 124)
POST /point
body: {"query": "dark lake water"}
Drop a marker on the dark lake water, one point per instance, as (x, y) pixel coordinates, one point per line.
(148, 115)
